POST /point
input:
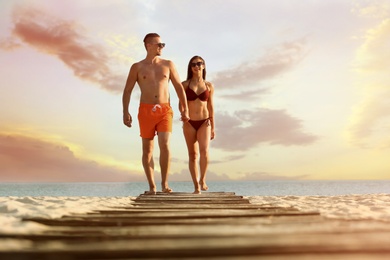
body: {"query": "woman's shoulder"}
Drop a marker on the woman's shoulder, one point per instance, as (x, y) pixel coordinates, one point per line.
(185, 83)
(209, 84)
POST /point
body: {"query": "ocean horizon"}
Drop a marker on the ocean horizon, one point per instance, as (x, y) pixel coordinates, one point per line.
(244, 188)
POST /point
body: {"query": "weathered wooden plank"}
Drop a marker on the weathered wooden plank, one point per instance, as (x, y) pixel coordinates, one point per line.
(174, 201)
(182, 225)
(375, 243)
(146, 206)
(147, 209)
(159, 219)
(192, 214)
(187, 199)
(204, 193)
(273, 226)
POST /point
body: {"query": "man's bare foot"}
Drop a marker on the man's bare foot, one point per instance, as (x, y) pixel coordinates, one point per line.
(196, 192)
(167, 190)
(151, 192)
(203, 186)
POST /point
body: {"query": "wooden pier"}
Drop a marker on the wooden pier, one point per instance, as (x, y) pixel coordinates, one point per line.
(213, 225)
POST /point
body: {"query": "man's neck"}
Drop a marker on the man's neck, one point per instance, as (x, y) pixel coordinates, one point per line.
(152, 59)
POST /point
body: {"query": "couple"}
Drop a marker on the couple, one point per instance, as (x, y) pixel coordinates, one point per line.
(155, 113)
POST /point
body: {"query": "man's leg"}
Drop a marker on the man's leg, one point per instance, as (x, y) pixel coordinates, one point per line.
(163, 142)
(148, 163)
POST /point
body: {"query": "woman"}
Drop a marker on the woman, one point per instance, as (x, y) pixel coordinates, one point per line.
(199, 130)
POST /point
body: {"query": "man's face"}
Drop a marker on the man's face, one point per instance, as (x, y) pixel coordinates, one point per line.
(156, 46)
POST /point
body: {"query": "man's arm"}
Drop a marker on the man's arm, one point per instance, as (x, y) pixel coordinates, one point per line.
(174, 77)
(130, 83)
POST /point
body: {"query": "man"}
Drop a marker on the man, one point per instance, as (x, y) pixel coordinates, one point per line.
(155, 113)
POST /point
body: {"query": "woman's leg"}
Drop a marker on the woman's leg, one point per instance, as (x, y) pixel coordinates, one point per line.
(192, 146)
(203, 136)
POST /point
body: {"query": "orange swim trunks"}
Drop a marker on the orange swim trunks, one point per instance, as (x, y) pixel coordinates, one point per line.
(154, 118)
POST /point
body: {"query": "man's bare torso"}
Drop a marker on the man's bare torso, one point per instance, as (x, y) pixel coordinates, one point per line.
(153, 80)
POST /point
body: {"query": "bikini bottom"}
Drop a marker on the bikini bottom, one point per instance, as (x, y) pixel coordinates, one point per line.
(196, 124)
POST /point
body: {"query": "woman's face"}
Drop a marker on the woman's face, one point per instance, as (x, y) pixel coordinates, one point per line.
(197, 65)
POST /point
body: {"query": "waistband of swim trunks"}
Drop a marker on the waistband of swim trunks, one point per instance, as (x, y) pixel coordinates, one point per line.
(153, 105)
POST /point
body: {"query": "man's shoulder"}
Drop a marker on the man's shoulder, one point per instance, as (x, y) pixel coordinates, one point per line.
(166, 62)
(136, 65)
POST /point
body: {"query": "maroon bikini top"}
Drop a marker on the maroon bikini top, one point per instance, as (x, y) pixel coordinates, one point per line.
(191, 95)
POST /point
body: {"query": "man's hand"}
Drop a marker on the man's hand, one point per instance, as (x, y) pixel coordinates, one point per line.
(184, 116)
(127, 120)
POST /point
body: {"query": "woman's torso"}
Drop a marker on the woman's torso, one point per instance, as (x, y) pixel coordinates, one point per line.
(197, 97)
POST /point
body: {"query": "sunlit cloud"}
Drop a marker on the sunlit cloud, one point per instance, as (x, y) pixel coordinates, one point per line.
(228, 159)
(275, 61)
(184, 175)
(68, 42)
(124, 48)
(372, 9)
(263, 176)
(9, 44)
(247, 95)
(30, 159)
(370, 123)
(374, 54)
(246, 129)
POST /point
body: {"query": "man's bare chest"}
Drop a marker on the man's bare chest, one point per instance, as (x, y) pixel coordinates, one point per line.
(153, 73)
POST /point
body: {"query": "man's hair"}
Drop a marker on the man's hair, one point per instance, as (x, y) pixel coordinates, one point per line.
(149, 36)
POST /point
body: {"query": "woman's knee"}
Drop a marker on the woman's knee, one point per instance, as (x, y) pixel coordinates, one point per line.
(192, 156)
(204, 153)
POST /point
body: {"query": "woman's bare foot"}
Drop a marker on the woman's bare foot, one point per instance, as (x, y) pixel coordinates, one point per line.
(151, 192)
(167, 190)
(203, 186)
(196, 192)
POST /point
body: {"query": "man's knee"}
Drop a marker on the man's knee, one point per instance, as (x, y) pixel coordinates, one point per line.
(163, 140)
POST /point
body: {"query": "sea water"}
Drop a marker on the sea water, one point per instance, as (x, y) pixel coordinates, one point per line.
(244, 188)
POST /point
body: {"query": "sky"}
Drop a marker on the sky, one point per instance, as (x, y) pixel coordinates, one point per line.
(302, 88)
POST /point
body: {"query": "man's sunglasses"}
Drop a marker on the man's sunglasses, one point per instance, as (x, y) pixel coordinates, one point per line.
(194, 64)
(160, 44)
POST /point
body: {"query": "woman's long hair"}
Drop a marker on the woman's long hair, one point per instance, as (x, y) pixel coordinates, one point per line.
(189, 70)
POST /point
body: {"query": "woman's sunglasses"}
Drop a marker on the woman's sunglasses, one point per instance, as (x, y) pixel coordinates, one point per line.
(194, 64)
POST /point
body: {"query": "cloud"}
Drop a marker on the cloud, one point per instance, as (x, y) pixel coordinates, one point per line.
(371, 126)
(246, 129)
(228, 159)
(184, 175)
(65, 40)
(263, 176)
(372, 9)
(25, 159)
(246, 95)
(9, 44)
(374, 54)
(276, 60)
